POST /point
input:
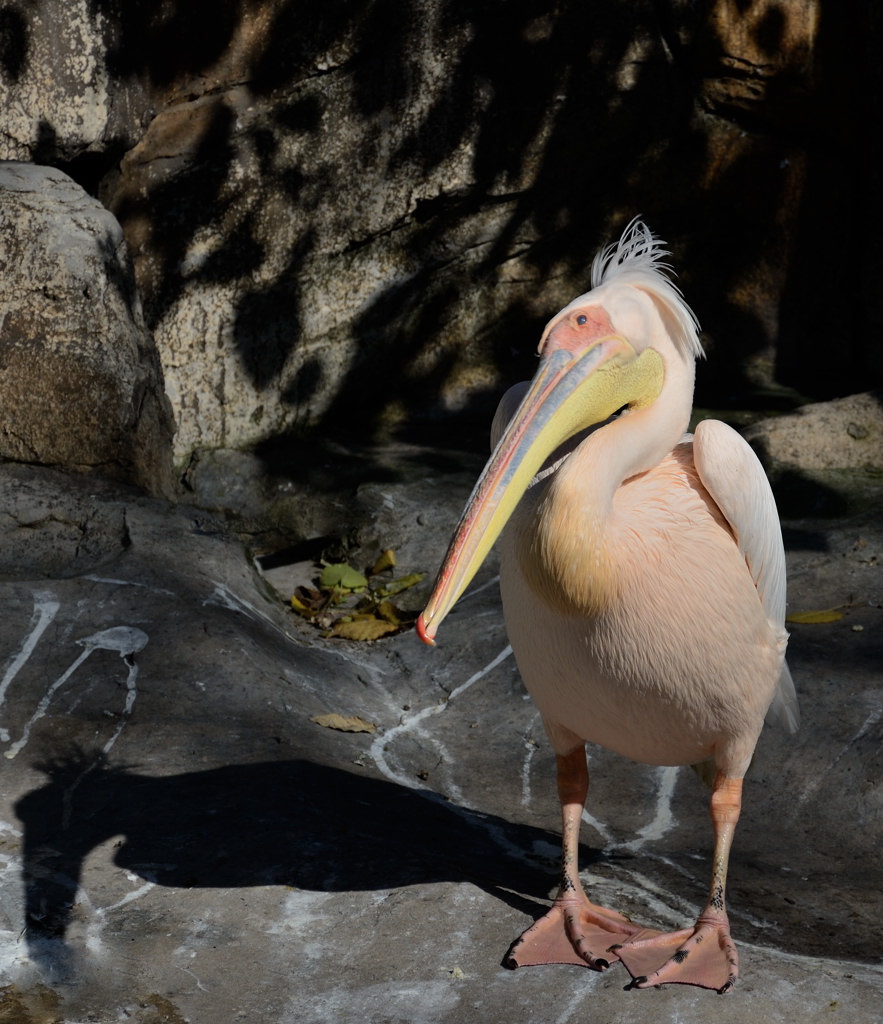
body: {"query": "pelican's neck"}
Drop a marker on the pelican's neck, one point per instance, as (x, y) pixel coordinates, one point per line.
(565, 551)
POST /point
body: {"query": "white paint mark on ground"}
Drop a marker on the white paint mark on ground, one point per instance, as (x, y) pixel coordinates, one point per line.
(847, 968)
(303, 917)
(98, 915)
(128, 642)
(423, 1002)
(816, 778)
(472, 593)
(668, 907)
(603, 831)
(428, 741)
(45, 610)
(569, 1010)
(663, 820)
(411, 724)
(5, 826)
(131, 694)
(530, 748)
(199, 984)
(43, 706)
(13, 953)
(129, 583)
(223, 597)
(125, 640)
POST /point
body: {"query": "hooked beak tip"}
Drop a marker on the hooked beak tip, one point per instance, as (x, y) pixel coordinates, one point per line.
(423, 632)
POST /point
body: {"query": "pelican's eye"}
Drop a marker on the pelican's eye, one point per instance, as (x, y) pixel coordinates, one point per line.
(582, 319)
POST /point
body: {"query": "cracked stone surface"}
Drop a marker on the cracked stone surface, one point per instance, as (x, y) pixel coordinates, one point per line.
(180, 842)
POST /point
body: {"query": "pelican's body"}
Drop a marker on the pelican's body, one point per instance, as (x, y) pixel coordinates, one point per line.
(662, 673)
(643, 585)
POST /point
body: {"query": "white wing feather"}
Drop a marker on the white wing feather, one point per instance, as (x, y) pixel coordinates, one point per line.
(733, 476)
(506, 410)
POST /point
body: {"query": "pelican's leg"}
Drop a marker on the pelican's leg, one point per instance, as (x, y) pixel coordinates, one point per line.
(704, 955)
(574, 931)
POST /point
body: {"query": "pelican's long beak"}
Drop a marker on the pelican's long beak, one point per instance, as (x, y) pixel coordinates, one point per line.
(574, 388)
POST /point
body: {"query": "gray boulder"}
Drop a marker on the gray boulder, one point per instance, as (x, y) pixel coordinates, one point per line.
(846, 433)
(81, 382)
(824, 459)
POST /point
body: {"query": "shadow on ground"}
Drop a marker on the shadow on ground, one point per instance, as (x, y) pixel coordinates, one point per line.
(290, 823)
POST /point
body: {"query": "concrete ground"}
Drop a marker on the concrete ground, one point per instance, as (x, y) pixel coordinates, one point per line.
(179, 841)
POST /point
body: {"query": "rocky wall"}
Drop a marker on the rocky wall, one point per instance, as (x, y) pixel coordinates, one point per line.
(358, 216)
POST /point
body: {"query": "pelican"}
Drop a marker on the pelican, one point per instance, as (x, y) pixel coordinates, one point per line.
(643, 587)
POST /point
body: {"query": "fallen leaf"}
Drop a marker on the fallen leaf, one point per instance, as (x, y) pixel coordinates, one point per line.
(343, 724)
(397, 586)
(307, 603)
(824, 615)
(362, 628)
(387, 560)
(342, 575)
(387, 610)
(344, 603)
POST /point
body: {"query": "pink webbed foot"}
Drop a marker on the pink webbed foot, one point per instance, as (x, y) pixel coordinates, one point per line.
(705, 956)
(574, 931)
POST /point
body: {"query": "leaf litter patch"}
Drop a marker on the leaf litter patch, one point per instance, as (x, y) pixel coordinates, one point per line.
(343, 602)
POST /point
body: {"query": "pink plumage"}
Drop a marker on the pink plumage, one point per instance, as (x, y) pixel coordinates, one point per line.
(643, 584)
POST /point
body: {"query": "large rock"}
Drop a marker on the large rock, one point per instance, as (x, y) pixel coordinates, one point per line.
(81, 382)
(757, 62)
(754, 68)
(181, 840)
(360, 215)
(846, 433)
(376, 223)
(315, 249)
(391, 496)
(825, 458)
(66, 98)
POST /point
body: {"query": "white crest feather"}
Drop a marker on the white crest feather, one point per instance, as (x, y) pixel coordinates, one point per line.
(638, 259)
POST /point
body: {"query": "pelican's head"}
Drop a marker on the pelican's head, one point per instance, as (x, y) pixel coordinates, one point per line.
(611, 348)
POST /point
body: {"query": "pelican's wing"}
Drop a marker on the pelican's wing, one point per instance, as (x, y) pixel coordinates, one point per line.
(506, 410)
(733, 476)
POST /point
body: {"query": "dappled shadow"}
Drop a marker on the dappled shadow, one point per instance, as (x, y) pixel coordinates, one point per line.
(799, 495)
(798, 537)
(573, 118)
(286, 823)
(160, 41)
(14, 43)
(827, 311)
(557, 145)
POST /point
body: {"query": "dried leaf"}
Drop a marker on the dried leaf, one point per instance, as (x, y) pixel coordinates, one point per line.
(392, 613)
(824, 615)
(397, 586)
(343, 603)
(362, 628)
(343, 724)
(342, 575)
(388, 611)
(387, 560)
(308, 602)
